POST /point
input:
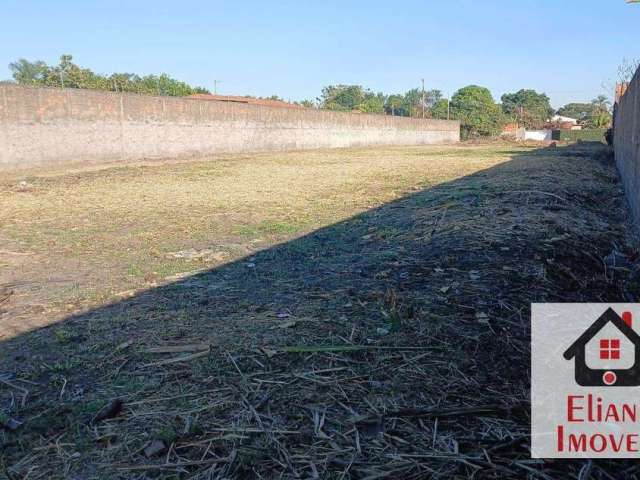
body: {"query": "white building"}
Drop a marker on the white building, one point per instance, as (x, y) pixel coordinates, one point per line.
(561, 119)
(538, 135)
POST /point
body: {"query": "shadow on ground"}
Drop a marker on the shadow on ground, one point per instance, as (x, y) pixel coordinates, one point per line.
(393, 344)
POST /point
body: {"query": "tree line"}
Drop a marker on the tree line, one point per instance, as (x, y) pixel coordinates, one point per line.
(67, 74)
(473, 105)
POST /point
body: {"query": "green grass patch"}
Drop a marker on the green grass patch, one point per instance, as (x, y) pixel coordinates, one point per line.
(267, 227)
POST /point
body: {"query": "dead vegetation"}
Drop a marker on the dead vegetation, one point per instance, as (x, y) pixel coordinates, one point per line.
(74, 240)
(392, 344)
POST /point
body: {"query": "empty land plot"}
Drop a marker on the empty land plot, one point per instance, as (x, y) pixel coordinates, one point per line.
(74, 241)
(354, 313)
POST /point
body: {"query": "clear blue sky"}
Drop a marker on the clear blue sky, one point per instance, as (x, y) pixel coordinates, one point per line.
(565, 48)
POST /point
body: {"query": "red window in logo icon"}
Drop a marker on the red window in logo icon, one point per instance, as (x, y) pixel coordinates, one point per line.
(610, 349)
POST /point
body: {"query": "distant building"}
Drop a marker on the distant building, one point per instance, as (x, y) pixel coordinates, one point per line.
(563, 123)
(510, 129)
(538, 135)
(560, 119)
(246, 100)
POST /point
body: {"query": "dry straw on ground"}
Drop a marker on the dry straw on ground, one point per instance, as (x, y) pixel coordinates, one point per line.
(391, 344)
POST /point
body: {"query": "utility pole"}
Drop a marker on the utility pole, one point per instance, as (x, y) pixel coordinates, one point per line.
(215, 86)
(423, 98)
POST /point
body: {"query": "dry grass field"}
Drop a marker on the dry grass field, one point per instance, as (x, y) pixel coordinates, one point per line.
(74, 241)
(341, 314)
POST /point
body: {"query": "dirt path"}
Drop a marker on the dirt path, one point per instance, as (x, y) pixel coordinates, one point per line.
(392, 342)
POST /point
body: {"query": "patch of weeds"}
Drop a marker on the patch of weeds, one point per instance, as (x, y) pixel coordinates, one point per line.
(62, 365)
(211, 364)
(88, 409)
(278, 227)
(390, 309)
(195, 427)
(246, 230)
(63, 336)
(57, 380)
(386, 233)
(267, 227)
(167, 433)
(395, 312)
(393, 318)
(134, 271)
(168, 268)
(95, 296)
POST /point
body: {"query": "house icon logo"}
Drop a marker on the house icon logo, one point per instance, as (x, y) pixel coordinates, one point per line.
(607, 354)
(585, 380)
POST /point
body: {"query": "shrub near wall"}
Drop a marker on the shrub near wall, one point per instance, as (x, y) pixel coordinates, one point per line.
(589, 135)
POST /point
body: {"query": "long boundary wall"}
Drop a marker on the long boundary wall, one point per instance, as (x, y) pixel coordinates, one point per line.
(626, 142)
(47, 126)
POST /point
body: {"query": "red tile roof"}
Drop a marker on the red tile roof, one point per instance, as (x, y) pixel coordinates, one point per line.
(247, 100)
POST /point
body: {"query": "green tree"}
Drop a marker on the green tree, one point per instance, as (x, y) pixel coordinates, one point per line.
(394, 104)
(579, 111)
(601, 103)
(591, 115)
(600, 119)
(432, 97)
(372, 103)
(69, 75)
(342, 97)
(440, 109)
(478, 113)
(347, 98)
(601, 116)
(25, 72)
(123, 82)
(413, 101)
(595, 114)
(528, 107)
(307, 103)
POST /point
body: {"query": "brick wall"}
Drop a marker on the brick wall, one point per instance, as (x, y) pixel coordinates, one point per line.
(48, 125)
(626, 141)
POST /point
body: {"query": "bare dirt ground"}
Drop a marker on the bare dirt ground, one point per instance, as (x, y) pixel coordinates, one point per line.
(344, 314)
